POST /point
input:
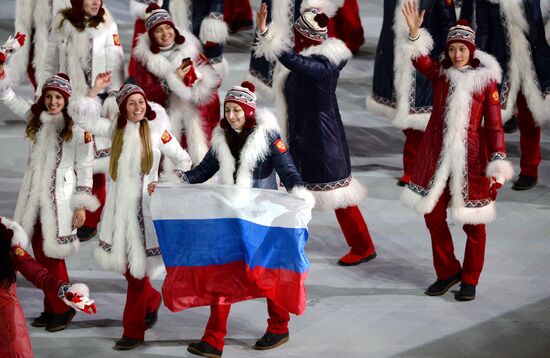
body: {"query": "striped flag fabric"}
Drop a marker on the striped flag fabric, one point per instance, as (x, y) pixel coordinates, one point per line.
(224, 244)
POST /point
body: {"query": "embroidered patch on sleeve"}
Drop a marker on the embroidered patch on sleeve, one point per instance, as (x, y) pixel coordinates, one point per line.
(449, 3)
(166, 137)
(116, 40)
(281, 147)
(495, 97)
(20, 252)
(87, 137)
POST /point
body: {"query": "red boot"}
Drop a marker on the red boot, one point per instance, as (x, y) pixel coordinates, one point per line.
(357, 236)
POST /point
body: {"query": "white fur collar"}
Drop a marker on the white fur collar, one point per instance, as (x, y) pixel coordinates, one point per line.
(255, 149)
(157, 63)
(478, 78)
(55, 119)
(333, 49)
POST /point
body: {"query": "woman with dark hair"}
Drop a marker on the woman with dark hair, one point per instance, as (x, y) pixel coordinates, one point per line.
(174, 73)
(306, 98)
(57, 185)
(127, 239)
(83, 43)
(247, 151)
(14, 336)
(461, 159)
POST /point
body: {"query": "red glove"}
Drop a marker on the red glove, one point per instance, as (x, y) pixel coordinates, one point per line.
(2, 58)
(495, 185)
(14, 43)
(190, 77)
(77, 297)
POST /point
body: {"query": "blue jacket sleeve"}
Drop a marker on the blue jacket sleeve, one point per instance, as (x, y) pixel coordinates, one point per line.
(283, 163)
(204, 171)
(484, 14)
(315, 67)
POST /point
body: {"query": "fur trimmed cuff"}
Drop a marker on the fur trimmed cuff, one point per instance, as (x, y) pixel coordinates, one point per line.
(339, 198)
(79, 289)
(174, 176)
(213, 30)
(20, 237)
(420, 204)
(110, 108)
(272, 44)
(474, 216)
(205, 88)
(302, 193)
(85, 201)
(501, 169)
(421, 47)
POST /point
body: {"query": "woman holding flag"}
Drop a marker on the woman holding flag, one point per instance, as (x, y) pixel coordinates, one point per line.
(127, 239)
(247, 151)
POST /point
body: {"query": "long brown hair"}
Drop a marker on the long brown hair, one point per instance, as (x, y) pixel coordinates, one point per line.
(118, 141)
(34, 125)
(81, 22)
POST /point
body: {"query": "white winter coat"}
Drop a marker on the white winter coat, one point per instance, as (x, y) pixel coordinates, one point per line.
(58, 180)
(127, 238)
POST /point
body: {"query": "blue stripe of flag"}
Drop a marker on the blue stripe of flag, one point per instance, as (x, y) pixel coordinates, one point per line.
(221, 241)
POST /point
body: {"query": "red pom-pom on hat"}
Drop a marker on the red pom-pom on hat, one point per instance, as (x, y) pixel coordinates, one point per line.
(321, 19)
(64, 76)
(249, 85)
(152, 7)
(463, 22)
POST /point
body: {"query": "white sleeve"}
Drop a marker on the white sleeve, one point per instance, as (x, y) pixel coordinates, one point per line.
(82, 197)
(16, 104)
(115, 59)
(170, 147)
(86, 113)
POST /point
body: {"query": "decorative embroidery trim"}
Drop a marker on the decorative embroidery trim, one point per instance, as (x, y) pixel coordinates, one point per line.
(215, 60)
(84, 189)
(64, 240)
(498, 156)
(63, 290)
(102, 153)
(181, 175)
(153, 252)
(216, 16)
(385, 101)
(328, 186)
(105, 246)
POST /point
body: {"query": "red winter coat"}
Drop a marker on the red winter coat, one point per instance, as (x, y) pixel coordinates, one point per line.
(14, 336)
(463, 145)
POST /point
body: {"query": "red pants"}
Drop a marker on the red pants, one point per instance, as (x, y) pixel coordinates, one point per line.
(100, 191)
(141, 298)
(355, 230)
(216, 328)
(52, 303)
(529, 139)
(346, 25)
(445, 263)
(413, 137)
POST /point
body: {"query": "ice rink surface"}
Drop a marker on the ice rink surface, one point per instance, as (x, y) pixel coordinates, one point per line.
(377, 309)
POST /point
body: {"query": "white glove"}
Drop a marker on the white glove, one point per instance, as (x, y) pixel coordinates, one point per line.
(77, 297)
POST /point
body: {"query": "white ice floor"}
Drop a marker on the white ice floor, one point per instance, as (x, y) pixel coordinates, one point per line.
(373, 310)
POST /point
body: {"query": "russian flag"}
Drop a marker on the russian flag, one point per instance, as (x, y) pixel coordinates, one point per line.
(225, 244)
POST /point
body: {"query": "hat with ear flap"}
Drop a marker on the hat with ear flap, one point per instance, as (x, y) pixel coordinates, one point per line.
(122, 99)
(464, 34)
(245, 97)
(156, 16)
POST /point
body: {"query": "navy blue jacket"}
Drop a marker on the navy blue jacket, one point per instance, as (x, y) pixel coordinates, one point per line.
(440, 16)
(493, 37)
(262, 172)
(316, 135)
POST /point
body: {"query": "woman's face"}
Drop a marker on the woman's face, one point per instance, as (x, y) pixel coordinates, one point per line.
(164, 35)
(54, 102)
(459, 54)
(136, 107)
(91, 7)
(234, 115)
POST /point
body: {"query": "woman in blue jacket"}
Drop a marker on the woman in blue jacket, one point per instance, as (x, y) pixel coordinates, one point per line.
(247, 151)
(306, 97)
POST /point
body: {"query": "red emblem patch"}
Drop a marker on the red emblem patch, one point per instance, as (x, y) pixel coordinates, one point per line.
(20, 252)
(449, 3)
(281, 147)
(87, 137)
(116, 39)
(495, 97)
(166, 137)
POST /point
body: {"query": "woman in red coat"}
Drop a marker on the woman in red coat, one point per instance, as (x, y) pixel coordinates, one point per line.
(461, 160)
(14, 337)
